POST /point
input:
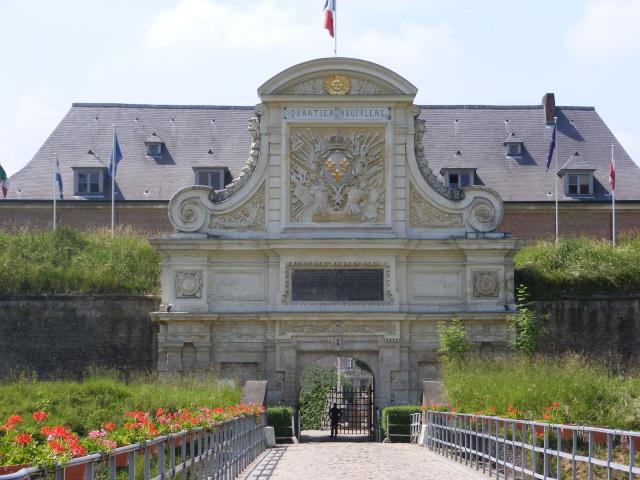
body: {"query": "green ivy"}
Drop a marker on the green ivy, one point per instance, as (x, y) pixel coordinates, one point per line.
(526, 325)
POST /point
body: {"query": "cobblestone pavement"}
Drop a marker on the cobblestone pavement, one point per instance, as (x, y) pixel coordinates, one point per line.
(355, 461)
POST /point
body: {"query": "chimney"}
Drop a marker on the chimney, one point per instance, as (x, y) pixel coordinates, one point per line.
(549, 105)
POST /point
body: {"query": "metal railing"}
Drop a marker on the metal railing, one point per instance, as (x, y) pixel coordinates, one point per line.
(508, 448)
(415, 427)
(221, 452)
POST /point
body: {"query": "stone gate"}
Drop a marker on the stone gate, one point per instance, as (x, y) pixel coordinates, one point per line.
(335, 239)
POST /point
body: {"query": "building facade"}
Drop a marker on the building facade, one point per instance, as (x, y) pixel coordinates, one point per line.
(337, 238)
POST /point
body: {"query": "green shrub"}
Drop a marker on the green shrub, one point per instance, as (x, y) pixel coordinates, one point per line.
(69, 261)
(279, 417)
(526, 325)
(395, 422)
(453, 340)
(586, 392)
(579, 266)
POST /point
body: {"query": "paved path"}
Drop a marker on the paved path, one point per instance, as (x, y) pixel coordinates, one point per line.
(356, 461)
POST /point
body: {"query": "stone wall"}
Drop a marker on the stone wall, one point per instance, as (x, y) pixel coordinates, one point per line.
(64, 335)
(605, 325)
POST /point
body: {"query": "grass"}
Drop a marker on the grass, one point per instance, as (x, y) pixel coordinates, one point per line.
(69, 261)
(103, 397)
(587, 393)
(579, 266)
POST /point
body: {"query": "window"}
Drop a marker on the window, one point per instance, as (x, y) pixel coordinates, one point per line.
(210, 178)
(579, 184)
(154, 149)
(514, 149)
(89, 182)
(459, 179)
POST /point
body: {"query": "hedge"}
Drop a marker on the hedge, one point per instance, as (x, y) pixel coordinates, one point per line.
(395, 422)
(279, 418)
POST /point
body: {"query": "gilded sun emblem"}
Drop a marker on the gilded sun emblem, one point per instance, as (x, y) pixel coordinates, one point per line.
(337, 85)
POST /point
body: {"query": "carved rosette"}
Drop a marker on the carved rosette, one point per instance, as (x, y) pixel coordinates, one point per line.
(188, 283)
(249, 216)
(485, 284)
(190, 216)
(423, 214)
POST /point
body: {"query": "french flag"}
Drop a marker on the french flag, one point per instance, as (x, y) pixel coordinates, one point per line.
(612, 172)
(329, 15)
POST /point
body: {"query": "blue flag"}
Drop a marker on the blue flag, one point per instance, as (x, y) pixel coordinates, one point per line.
(115, 154)
(59, 180)
(552, 145)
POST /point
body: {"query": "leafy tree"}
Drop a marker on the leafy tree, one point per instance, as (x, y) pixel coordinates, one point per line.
(526, 325)
(453, 340)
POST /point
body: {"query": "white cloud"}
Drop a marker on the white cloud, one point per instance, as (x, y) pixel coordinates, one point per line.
(609, 28)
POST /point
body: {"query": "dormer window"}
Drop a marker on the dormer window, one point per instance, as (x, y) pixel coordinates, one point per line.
(460, 177)
(153, 144)
(579, 184)
(513, 145)
(577, 176)
(211, 177)
(88, 181)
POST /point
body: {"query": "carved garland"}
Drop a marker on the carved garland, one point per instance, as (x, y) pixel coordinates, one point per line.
(249, 165)
(286, 289)
(423, 165)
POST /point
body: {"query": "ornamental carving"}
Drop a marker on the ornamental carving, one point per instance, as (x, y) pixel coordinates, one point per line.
(485, 284)
(337, 328)
(250, 164)
(423, 165)
(189, 283)
(337, 177)
(359, 86)
(248, 216)
(423, 213)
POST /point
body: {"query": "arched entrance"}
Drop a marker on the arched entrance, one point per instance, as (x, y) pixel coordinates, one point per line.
(336, 381)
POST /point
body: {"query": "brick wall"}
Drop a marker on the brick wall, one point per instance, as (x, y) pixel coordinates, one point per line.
(525, 221)
(64, 335)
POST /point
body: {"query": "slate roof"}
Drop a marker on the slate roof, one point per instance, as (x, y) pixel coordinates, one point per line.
(189, 133)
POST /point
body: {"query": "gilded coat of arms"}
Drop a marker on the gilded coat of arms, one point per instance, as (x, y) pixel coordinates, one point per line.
(337, 177)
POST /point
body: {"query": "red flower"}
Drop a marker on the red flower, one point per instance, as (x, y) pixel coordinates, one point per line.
(39, 416)
(555, 404)
(14, 419)
(109, 426)
(56, 447)
(22, 438)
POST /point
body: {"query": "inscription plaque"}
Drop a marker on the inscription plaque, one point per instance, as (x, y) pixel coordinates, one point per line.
(337, 284)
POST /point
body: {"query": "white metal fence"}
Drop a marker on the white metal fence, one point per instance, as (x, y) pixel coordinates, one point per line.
(218, 453)
(518, 449)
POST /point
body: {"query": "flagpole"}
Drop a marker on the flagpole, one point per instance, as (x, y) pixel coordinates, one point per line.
(113, 183)
(613, 198)
(335, 28)
(55, 196)
(555, 122)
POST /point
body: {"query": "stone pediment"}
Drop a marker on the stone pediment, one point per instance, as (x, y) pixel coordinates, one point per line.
(337, 77)
(336, 146)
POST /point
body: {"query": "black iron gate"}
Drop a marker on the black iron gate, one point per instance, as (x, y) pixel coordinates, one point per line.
(356, 405)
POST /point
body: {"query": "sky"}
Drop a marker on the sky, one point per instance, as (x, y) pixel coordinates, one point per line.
(218, 52)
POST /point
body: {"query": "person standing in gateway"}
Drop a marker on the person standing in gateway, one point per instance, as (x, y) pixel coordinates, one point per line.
(334, 415)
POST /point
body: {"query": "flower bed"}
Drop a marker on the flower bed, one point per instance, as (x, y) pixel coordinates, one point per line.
(32, 441)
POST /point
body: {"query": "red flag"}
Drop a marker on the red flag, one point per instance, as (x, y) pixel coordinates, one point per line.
(612, 173)
(329, 15)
